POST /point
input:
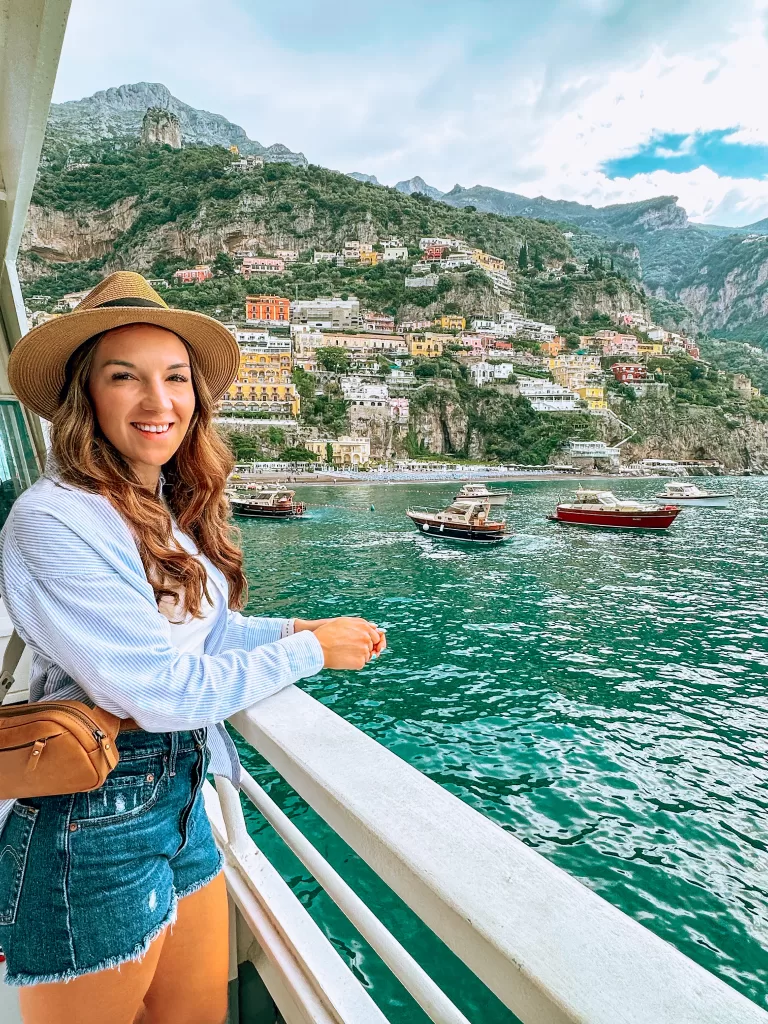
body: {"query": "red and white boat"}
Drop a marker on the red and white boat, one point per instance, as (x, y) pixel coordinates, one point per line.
(603, 509)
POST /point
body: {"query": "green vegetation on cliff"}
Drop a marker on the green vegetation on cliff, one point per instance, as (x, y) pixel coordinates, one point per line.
(186, 197)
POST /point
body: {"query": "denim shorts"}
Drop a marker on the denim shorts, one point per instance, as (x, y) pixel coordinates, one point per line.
(88, 881)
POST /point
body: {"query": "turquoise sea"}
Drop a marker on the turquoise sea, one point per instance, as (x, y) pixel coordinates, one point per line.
(603, 696)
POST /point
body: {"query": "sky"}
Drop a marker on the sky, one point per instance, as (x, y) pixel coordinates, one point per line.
(598, 101)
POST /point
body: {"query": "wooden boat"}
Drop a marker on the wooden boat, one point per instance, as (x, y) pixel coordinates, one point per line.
(604, 510)
(481, 491)
(267, 503)
(689, 494)
(463, 520)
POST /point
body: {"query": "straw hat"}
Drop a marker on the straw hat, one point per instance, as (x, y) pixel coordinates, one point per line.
(37, 364)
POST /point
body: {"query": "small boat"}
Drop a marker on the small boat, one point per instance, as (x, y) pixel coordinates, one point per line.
(267, 503)
(463, 520)
(603, 509)
(482, 491)
(690, 494)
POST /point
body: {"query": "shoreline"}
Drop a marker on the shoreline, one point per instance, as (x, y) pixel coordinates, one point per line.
(311, 480)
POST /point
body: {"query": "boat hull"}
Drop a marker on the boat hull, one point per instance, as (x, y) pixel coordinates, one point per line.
(710, 501)
(447, 531)
(614, 520)
(246, 511)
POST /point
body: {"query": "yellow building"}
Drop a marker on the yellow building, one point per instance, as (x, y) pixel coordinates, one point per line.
(427, 345)
(347, 451)
(450, 322)
(263, 382)
(368, 259)
(488, 262)
(650, 348)
(593, 395)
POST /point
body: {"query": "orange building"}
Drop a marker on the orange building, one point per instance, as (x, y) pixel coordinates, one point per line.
(553, 347)
(267, 308)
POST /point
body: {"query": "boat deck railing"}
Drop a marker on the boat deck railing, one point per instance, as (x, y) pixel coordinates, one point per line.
(548, 947)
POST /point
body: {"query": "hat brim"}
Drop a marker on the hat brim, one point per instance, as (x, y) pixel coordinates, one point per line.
(37, 364)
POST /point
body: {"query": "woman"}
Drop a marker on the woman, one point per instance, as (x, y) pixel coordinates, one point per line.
(119, 570)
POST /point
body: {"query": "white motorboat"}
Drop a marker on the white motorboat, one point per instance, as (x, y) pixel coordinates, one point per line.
(689, 494)
(473, 492)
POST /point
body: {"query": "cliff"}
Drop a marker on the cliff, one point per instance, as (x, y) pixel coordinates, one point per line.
(161, 127)
(729, 291)
(668, 431)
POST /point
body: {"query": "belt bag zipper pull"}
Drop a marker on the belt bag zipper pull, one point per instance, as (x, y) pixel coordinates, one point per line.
(34, 755)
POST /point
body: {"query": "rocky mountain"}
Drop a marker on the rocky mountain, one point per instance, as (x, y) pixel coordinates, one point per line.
(161, 127)
(728, 291)
(119, 112)
(369, 179)
(616, 220)
(418, 184)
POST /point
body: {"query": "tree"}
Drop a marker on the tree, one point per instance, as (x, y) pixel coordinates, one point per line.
(335, 360)
(385, 367)
(329, 453)
(538, 263)
(297, 455)
(223, 265)
(522, 257)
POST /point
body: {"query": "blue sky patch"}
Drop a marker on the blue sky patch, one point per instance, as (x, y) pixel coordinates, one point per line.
(681, 153)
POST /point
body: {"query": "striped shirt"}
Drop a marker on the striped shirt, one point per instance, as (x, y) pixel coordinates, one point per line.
(77, 594)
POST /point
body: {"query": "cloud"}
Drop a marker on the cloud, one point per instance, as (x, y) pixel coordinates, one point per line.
(534, 100)
(685, 147)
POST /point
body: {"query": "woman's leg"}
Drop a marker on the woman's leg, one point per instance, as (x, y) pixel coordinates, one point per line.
(115, 996)
(190, 982)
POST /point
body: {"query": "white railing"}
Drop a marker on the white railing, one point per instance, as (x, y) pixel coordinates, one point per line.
(551, 950)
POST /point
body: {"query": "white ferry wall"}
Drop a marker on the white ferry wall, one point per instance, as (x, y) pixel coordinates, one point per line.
(550, 949)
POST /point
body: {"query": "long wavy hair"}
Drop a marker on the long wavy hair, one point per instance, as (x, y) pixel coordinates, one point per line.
(195, 479)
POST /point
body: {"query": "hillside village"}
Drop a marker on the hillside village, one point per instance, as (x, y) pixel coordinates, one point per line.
(389, 344)
(295, 353)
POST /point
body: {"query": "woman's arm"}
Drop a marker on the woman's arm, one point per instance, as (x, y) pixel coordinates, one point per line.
(92, 612)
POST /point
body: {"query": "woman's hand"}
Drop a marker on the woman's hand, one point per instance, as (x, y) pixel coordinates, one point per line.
(349, 643)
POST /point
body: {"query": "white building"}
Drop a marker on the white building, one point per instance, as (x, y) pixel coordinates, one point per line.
(447, 243)
(287, 255)
(487, 373)
(592, 450)
(530, 328)
(545, 396)
(328, 313)
(394, 252)
(502, 284)
(262, 341)
(355, 389)
(325, 257)
(454, 262)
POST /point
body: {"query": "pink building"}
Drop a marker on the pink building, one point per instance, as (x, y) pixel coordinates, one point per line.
(379, 322)
(194, 276)
(629, 373)
(408, 326)
(476, 342)
(262, 265)
(620, 345)
(400, 410)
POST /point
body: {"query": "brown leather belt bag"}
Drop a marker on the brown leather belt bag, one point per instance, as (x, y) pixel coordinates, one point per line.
(52, 747)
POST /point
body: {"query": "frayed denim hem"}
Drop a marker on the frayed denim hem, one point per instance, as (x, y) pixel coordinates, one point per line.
(203, 882)
(137, 953)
